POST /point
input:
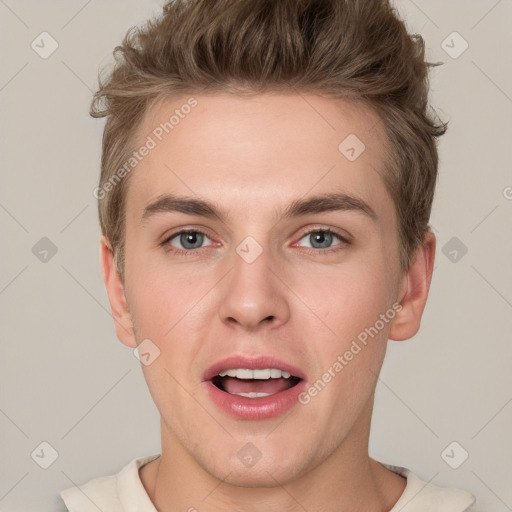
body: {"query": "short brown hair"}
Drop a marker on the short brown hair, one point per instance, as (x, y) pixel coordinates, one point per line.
(353, 49)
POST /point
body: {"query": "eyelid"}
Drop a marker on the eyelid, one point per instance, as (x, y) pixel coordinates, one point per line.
(167, 238)
(344, 237)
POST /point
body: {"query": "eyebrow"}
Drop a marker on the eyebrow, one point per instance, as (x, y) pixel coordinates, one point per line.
(328, 202)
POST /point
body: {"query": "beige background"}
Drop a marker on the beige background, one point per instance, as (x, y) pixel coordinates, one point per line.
(67, 381)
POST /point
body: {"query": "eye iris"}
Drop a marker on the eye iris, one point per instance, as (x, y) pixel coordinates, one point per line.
(194, 238)
(324, 236)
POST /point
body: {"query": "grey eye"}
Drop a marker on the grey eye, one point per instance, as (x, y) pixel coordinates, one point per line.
(320, 239)
(189, 239)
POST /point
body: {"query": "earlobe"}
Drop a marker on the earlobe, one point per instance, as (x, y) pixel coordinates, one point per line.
(116, 295)
(414, 291)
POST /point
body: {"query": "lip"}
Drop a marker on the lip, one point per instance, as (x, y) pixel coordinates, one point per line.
(265, 407)
(261, 408)
(251, 363)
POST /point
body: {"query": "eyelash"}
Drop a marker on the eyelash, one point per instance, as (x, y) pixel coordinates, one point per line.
(309, 250)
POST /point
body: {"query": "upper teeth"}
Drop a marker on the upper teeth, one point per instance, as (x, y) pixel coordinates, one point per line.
(244, 373)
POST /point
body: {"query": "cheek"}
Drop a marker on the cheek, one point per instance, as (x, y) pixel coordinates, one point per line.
(346, 299)
(162, 299)
(351, 338)
(174, 310)
(171, 310)
(350, 352)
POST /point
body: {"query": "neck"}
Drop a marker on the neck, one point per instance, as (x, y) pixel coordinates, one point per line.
(347, 479)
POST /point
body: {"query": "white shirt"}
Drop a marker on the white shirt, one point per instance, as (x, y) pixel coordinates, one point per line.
(124, 492)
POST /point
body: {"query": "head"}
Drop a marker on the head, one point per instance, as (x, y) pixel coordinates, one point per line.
(247, 106)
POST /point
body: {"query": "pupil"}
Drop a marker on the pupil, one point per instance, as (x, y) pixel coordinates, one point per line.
(191, 238)
(322, 235)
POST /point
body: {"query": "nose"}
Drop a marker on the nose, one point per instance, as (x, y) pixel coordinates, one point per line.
(254, 294)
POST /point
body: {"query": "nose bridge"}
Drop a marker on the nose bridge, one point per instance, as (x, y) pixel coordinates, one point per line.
(253, 294)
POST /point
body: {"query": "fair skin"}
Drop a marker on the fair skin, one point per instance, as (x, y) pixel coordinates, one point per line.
(251, 157)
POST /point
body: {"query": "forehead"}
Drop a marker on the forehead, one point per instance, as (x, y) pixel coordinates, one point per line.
(242, 149)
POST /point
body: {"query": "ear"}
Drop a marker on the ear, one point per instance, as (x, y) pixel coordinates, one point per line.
(414, 291)
(116, 296)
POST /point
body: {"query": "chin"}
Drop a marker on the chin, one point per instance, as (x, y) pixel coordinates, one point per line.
(271, 467)
(268, 475)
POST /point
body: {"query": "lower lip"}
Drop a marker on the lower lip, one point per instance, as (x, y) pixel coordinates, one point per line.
(262, 408)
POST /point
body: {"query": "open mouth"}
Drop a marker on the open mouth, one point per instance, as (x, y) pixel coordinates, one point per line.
(255, 383)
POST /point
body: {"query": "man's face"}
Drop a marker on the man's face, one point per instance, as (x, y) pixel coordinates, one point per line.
(260, 284)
